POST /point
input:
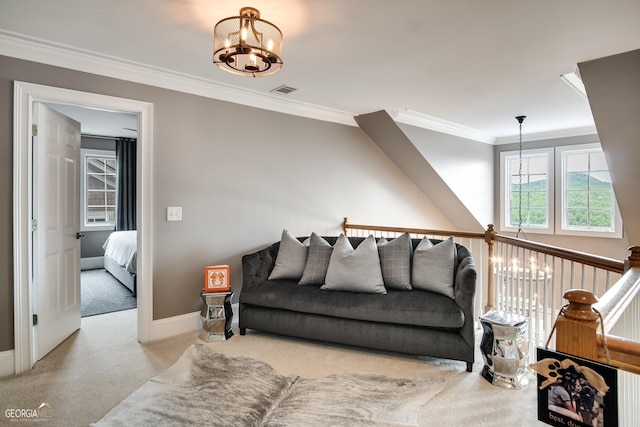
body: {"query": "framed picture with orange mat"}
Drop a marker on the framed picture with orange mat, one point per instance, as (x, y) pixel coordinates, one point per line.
(216, 278)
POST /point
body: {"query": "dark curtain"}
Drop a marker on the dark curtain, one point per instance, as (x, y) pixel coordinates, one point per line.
(126, 186)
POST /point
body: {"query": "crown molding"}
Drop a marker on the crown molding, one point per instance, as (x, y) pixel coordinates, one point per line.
(542, 136)
(46, 52)
(424, 121)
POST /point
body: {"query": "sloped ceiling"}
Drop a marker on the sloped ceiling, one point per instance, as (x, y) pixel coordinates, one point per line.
(382, 130)
(613, 87)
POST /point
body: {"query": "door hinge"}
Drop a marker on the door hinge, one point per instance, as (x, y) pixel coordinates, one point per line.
(35, 319)
(34, 130)
(34, 225)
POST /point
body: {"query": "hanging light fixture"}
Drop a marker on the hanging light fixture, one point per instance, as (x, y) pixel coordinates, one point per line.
(520, 119)
(519, 276)
(246, 45)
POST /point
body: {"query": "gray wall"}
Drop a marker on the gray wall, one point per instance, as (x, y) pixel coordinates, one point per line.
(240, 174)
(466, 167)
(395, 143)
(91, 243)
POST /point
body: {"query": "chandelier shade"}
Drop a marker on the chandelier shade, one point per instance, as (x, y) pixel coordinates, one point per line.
(246, 45)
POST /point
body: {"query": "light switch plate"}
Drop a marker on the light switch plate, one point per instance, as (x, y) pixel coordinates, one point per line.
(174, 213)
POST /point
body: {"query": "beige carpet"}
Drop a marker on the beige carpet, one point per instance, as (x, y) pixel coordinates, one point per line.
(102, 364)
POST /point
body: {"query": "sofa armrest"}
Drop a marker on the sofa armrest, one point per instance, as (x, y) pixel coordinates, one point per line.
(257, 266)
(465, 292)
(465, 282)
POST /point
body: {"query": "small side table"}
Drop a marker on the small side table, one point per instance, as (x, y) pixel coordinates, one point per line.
(216, 315)
(504, 349)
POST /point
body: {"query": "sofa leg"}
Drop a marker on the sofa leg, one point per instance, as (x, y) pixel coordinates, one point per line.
(469, 367)
(243, 331)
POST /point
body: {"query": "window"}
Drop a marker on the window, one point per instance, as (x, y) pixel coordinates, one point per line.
(525, 191)
(566, 190)
(588, 205)
(98, 189)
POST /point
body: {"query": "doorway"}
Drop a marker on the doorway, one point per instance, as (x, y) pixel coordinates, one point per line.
(105, 288)
(25, 94)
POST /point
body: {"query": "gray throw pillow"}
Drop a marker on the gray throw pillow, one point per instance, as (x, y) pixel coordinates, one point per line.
(291, 258)
(395, 261)
(355, 270)
(433, 266)
(315, 268)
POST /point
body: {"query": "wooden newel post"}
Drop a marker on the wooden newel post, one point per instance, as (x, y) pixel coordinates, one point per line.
(633, 260)
(576, 326)
(491, 287)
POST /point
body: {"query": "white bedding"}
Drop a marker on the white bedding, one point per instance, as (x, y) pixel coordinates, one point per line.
(121, 246)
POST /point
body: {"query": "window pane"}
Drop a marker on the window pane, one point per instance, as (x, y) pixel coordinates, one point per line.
(578, 199)
(601, 179)
(110, 182)
(95, 182)
(95, 165)
(513, 166)
(111, 198)
(95, 198)
(538, 166)
(577, 181)
(96, 215)
(514, 217)
(577, 217)
(577, 162)
(598, 162)
(600, 200)
(601, 219)
(538, 182)
(538, 200)
(111, 215)
(538, 217)
(110, 165)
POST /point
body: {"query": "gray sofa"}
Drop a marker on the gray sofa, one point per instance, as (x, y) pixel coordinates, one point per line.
(407, 321)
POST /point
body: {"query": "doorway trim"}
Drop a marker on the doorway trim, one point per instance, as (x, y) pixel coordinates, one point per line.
(25, 94)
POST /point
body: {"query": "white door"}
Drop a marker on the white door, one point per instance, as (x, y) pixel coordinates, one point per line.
(56, 243)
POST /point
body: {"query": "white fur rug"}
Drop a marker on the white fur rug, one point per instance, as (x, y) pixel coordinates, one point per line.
(208, 388)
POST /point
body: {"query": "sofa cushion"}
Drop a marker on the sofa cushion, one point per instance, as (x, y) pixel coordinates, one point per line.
(395, 261)
(354, 270)
(418, 307)
(434, 266)
(291, 258)
(315, 269)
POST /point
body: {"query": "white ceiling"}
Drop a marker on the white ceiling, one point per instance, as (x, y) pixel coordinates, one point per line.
(100, 122)
(466, 63)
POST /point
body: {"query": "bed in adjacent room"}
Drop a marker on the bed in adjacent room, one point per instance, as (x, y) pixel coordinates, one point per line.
(120, 257)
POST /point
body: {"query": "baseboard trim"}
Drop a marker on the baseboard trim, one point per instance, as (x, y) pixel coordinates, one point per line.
(91, 263)
(7, 363)
(190, 322)
(172, 326)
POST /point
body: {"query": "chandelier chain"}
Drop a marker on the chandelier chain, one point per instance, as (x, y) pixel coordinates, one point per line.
(520, 120)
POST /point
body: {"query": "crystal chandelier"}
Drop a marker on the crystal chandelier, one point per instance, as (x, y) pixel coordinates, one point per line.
(246, 45)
